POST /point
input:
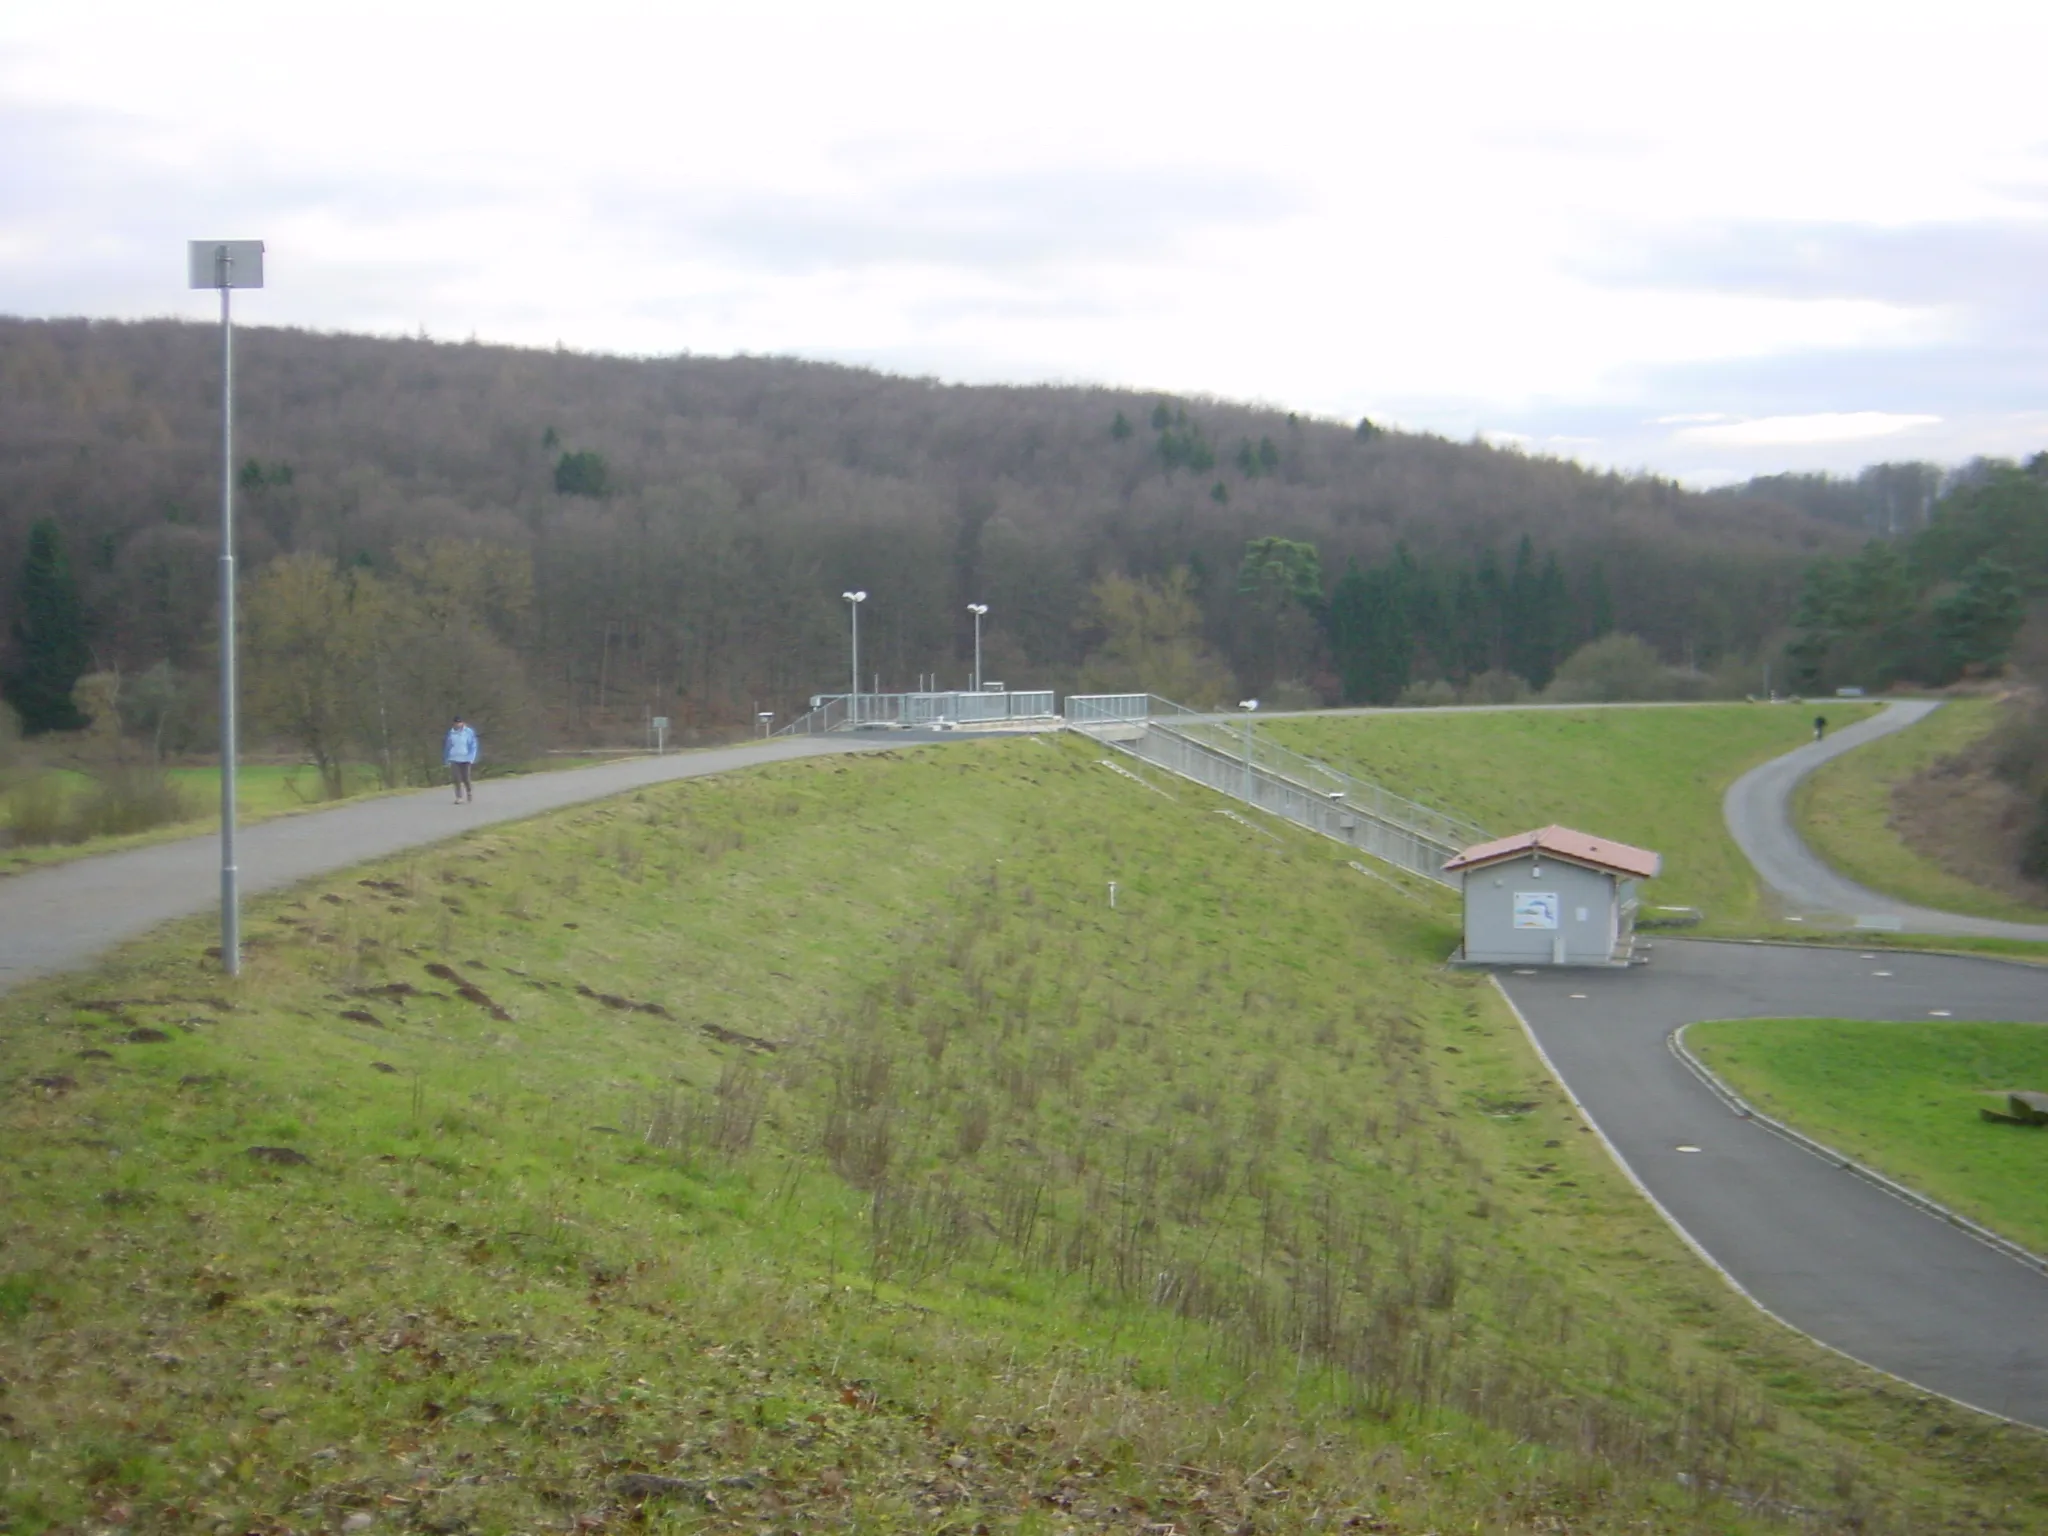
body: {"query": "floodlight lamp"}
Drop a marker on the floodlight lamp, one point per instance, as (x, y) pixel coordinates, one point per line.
(855, 597)
(977, 609)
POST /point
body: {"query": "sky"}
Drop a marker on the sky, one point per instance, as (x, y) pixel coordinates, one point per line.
(1703, 240)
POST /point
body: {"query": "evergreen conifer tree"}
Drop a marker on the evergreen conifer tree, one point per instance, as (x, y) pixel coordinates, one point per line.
(49, 649)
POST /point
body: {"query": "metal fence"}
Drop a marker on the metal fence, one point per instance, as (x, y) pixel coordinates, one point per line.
(914, 711)
(1231, 756)
(1231, 737)
(1085, 709)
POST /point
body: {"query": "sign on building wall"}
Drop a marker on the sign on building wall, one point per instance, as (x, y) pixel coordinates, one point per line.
(1536, 909)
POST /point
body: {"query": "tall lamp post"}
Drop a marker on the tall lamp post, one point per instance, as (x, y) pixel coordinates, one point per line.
(227, 265)
(977, 609)
(1250, 707)
(853, 602)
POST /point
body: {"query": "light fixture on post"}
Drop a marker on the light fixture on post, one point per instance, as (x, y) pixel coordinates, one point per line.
(853, 602)
(1250, 707)
(227, 265)
(977, 609)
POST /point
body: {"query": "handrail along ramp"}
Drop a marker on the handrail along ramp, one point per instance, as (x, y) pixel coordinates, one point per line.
(1216, 751)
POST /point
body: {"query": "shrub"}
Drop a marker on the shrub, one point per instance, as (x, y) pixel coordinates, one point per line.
(130, 800)
(36, 811)
(1496, 686)
(1432, 694)
(41, 811)
(1614, 669)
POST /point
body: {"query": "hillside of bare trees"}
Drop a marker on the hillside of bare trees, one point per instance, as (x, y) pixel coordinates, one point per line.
(592, 540)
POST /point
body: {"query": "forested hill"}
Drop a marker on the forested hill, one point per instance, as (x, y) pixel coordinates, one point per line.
(689, 523)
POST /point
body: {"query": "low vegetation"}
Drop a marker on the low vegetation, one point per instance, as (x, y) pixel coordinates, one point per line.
(1652, 777)
(1850, 812)
(1904, 1098)
(821, 1147)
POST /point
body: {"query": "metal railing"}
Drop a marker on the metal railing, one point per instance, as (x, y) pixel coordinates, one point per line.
(1219, 752)
(1372, 828)
(914, 711)
(1085, 709)
(1369, 799)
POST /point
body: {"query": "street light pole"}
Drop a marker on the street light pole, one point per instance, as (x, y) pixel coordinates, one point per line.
(853, 602)
(977, 609)
(226, 265)
(1249, 706)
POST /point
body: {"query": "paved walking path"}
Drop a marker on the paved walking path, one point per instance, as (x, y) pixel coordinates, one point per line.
(56, 918)
(1822, 1249)
(1758, 810)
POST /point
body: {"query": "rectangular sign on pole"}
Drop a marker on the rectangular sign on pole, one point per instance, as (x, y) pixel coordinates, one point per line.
(226, 263)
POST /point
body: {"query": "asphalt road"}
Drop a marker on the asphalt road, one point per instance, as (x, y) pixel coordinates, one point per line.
(1824, 1250)
(57, 918)
(1758, 810)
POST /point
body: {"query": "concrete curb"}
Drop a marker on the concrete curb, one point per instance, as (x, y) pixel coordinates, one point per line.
(1820, 1149)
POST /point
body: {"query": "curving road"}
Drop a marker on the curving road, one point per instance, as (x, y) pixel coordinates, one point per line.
(56, 918)
(1822, 1249)
(1826, 1251)
(1758, 810)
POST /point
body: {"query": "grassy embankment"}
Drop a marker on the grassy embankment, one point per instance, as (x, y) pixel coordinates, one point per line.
(1651, 776)
(1904, 1099)
(1844, 811)
(262, 791)
(820, 1139)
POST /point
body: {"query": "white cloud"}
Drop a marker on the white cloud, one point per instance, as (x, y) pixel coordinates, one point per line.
(1477, 214)
(1819, 427)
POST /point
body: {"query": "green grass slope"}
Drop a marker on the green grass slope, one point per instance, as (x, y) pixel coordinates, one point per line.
(1904, 1099)
(1652, 776)
(1844, 811)
(817, 1148)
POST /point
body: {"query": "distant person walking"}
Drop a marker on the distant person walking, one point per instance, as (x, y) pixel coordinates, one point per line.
(459, 753)
(1820, 726)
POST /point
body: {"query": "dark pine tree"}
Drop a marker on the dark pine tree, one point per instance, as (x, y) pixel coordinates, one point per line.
(49, 649)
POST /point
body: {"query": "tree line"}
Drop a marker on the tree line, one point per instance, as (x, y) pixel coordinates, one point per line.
(684, 527)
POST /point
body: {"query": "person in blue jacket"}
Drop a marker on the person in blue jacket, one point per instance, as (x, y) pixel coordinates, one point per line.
(459, 754)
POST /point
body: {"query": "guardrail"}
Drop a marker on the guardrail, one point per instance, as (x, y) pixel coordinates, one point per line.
(1367, 798)
(913, 711)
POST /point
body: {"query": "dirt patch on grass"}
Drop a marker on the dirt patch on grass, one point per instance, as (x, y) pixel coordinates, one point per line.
(1961, 816)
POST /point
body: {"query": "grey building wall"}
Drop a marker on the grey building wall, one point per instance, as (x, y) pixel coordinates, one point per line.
(1584, 903)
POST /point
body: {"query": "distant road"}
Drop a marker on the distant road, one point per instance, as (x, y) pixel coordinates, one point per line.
(59, 918)
(1758, 810)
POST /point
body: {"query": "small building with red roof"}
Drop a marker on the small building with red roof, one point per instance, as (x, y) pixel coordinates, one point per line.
(1551, 897)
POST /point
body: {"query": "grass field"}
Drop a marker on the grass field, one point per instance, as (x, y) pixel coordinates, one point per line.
(1844, 811)
(1904, 1099)
(817, 1148)
(1651, 776)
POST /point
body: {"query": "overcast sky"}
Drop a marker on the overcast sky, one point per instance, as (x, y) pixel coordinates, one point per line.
(1735, 239)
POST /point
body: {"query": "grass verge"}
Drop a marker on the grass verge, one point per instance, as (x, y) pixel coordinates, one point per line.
(816, 1147)
(1650, 776)
(1844, 811)
(262, 791)
(1904, 1099)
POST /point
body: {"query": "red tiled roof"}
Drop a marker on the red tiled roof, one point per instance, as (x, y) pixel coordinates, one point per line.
(1563, 843)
